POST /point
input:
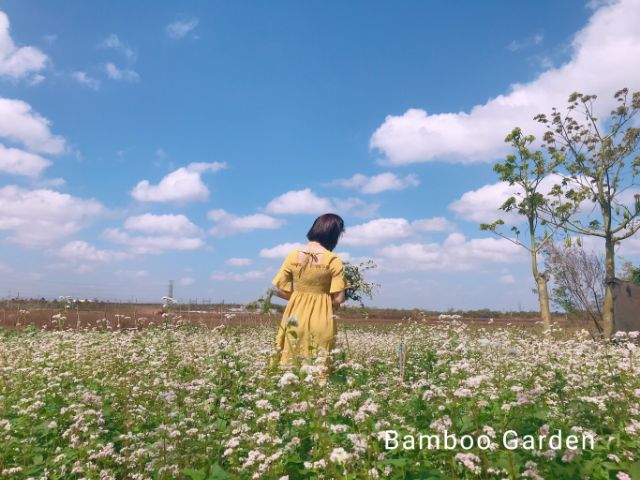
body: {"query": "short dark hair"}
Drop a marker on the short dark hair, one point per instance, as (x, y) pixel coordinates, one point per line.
(326, 230)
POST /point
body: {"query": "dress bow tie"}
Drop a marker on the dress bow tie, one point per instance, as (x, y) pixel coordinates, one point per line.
(309, 256)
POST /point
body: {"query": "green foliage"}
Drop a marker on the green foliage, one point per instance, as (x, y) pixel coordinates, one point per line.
(525, 169)
(358, 285)
(598, 161)
(630, 273)
(264, 303)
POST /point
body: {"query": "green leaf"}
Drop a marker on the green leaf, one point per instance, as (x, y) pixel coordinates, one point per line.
(219, 473)
(194, 474)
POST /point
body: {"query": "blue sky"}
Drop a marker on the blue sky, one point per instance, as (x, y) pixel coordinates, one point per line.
(194, 141)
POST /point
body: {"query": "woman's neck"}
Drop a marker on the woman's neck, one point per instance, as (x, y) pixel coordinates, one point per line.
(316, 245)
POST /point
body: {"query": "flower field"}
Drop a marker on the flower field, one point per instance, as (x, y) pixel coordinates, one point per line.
(189, 402)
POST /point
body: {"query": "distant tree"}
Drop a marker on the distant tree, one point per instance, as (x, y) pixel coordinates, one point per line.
(601, 160)
(526, 169)
(578, 279)
(631, 273)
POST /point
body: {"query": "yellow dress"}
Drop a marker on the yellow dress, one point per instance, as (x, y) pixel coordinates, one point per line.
(309, 312)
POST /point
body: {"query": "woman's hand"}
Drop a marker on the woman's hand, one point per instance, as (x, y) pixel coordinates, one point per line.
(338, 298)
(282, 294)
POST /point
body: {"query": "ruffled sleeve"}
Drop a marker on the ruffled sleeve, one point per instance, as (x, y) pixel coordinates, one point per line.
(284, 278)
(338, 282)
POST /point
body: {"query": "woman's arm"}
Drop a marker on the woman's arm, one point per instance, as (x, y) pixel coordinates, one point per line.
(282, 294)
(338, 298)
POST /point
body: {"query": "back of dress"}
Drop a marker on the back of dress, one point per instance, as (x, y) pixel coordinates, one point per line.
(312, 278)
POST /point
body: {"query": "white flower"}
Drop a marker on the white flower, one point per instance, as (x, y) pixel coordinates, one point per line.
(292, 322)
(339, 455)
(287, 379)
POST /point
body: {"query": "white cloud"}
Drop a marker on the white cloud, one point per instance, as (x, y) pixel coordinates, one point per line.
(133, 273)
(164, 224)
(238, 262)
(186, 281)
(40, 217)
(17, 62)
(180, 28)
(600, 63)
(435, 224)
(384, 230)
(531, 41)
(380, 230)
(203, 167)
(228, 224)
(240, 276)
(19, 123)
(81, 251)
(344, 256)
(83, 79)
(483, 204)
(507, 278)
(56, 182)
(113, 42)
(182, 185)
(378, 183)
(152, 244)
(36, 79)
(299, 201)
(115, 73)
(456, 253)
(19, 162)
(355, 206)
(306, 201)
(279, 251)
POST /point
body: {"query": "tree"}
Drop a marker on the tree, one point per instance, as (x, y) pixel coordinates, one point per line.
(526, 170)
(578, 278)
(601, 161)
(630, 273)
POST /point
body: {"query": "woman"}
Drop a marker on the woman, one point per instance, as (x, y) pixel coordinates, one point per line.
(312, 280)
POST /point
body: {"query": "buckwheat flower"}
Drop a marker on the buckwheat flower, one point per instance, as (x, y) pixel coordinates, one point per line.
(463, 393)
(633, 428)
(287, 379)
(339, 428)
(613, 458)
(292, 322)
(570, 454)
(339, 456)
(470, 461)
(441, 424)
(489, 431)
(299, 422)
(623, 476)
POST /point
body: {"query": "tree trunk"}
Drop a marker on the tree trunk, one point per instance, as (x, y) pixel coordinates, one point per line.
(607, 307)
(541, 283)
(543, 297)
